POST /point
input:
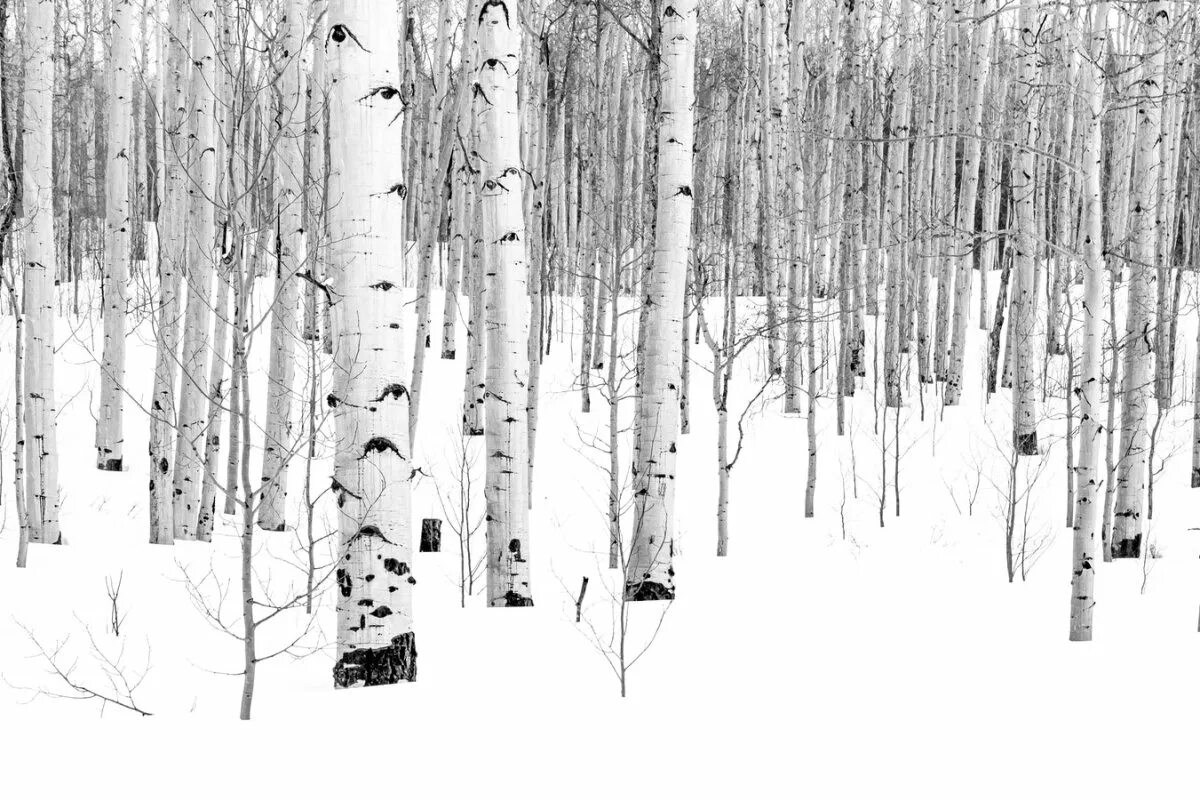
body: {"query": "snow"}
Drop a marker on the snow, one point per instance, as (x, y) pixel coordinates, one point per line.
(813, 661)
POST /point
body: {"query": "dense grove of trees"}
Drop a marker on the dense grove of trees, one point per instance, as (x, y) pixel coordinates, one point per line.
(844, 189)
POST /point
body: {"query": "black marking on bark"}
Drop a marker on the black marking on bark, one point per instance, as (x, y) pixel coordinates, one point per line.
(343, 581)
(686, 191)
(369, 577)
(488, 4)
(383, 286)
(511, 236)
(1130, 548)
(341, 492)
(381, 445)
(395, 390)
(371, 667)
(366, 602)
(332, 400)
(514, 598)
(395, 566)
(381, 612)
(338, 34)
(1027, 444)
(385, 92)
(649, 591)
(368, 531)
(514, 548)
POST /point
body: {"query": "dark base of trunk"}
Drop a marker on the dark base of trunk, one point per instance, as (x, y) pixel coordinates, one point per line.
(649, 591)
(1195, 477)
(473, 432)
(514, 598)
(448, 354)
(1027, 444)
(114, 465)
(1127, 549)
(370, 667)
(277, 527)
(431, 535)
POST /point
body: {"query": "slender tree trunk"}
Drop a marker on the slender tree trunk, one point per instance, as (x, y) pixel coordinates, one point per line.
(110, 420)
(278, 438)
(37, 187)
(649, 574)
(507, 312)
(1087, 475)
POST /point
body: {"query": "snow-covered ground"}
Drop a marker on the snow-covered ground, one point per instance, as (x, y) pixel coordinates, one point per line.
(823, 658)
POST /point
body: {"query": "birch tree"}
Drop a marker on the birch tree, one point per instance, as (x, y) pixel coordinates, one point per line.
(372, 465)
(291, 124)
(650, 574)
(506, 488)
(1087, 475)
(110, 437)
(37, 186)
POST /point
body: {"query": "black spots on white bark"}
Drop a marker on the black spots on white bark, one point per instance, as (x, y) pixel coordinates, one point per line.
(670, 11)
(340, 492)
(384, 92)
(383, 286)
(489, 4)
(381, 612)
(379, 445)
(395, 566)
(514, 598)
(511, 236)
(395, 390)
(370, 667)
(332, 400)
(646, 590)
(514, 550)
(686, 191)
(343, 582)
(339, 33)
(366, 602)
(399, 190)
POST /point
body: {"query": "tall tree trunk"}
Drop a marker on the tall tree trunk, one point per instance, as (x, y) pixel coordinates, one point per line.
(1087, 475)
(372, 466)
(37, 188)
(201, 250)
(110, 433)
(649, 573)
(278, 439)
(506, 488)
(1144, 237)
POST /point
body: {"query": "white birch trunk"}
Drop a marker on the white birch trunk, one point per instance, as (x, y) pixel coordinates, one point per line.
(1087, 474)
(1144, 236)
(372, 466)
(649, 573)
(110, 419)
(506, 488)
(965, 241)
(37, 187)
(279, 439)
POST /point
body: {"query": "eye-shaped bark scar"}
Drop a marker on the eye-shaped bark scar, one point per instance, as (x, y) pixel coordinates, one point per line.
(380, 445)
(385, 92)
(368, 531)
(338, 34)
(399, 190)
(340, 491)
(383, 286)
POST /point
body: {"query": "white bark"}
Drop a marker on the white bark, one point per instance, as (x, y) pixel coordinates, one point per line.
(372, 467)
(1144, 237)
(201, 248)
(1087, 474)
(506, 487)
(289, 166)
(649, 574)
(965, 242)
(110, 419)
(37, 186)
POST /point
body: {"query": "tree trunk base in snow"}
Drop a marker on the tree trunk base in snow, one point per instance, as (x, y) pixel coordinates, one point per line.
(1027, 444)
(473, 432)
(1127, 549)
(649, 591)
(514, 598)
(115, 466)
(431, 535)
(1195, 477)
(371, 667)
(448, 354)
(272, 526)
